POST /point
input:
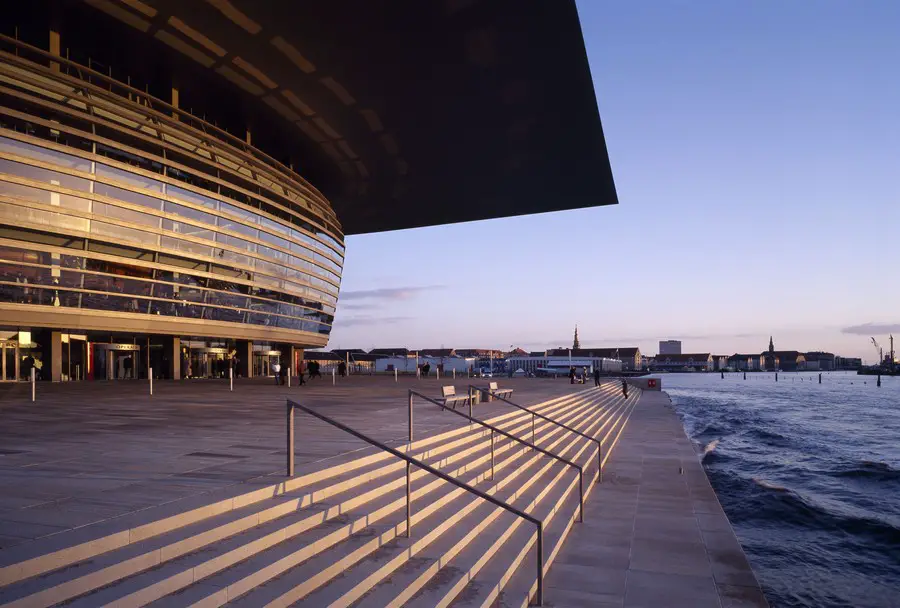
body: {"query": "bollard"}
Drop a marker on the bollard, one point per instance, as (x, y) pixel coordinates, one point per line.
(289, 377)
(395, 375)
(32, 385)
(231, 378)
(77, 372)
(332, 376)
(437, 372)
(454, 373)
(290, 439)
(151, 381)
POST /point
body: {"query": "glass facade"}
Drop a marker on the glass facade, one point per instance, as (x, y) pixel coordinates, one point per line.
(108, 205)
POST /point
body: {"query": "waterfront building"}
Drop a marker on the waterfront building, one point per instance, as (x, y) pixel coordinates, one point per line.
(847, 363)
(744, 363)
(558, 364)
(630, 356)
(670, 347)
(694, 362)
(784, 360)
(720, 362)
(177, 178)
(818, 361)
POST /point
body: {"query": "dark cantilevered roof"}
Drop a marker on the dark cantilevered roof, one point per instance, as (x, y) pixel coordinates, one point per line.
(404, 113)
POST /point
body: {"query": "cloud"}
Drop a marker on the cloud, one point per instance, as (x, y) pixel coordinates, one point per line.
(872, 329)
(368, 320)
(351, 306)
(388, 293)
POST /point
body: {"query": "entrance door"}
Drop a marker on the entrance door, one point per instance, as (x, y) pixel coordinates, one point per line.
(9, 363)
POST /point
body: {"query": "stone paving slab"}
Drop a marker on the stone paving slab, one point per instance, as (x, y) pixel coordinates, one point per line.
(654, 532)
(86, 453)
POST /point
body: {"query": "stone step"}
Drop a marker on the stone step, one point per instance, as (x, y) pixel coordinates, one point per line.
(456, 573)
(513, 582)
(47, 555)
(406, 583)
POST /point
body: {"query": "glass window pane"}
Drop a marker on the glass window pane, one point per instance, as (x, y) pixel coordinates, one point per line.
(235, 242)
(27, 192)
(123, 233)
(129, 178)
(188, 229)
(185, 246)
(49, 156)
(44, 175)
(189, 213)
(274, 240)
(127, 215)
(127, 195)
(191, 197)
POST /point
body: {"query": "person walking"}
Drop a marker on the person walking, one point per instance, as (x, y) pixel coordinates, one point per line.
(300, 381)
(624, 388)
(572, 375)
(276, 369)
(597, 376)
(342, 369)
(425, 369)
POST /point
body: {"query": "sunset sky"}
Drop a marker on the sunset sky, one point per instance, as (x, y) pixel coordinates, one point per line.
(756, 152)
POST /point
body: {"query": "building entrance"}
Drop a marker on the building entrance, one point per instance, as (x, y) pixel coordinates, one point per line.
(209, 362)
(263, 362)
(115, 361)
(9, 361)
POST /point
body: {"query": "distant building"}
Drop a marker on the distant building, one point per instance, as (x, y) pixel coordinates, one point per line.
(784, 360)
(744, 363)
(696, 362)
(629, 356)
(847, 363)
(561, 363)
(720, 362)
(819, 361)
(670, 347)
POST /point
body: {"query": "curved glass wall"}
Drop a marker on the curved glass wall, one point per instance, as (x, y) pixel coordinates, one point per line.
(159, 218)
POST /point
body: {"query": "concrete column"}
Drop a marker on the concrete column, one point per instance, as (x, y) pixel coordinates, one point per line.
(56, 346)
(171, 357)
(245, 358)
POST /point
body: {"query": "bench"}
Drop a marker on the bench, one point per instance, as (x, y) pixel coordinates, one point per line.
(450, 398)
(506, 393)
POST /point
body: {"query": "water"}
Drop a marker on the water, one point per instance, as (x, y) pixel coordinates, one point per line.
(809, 476)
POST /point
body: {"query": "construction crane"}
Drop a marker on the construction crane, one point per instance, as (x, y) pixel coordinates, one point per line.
(880, 351)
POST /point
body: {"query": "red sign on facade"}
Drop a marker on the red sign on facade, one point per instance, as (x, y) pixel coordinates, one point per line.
(651, 383)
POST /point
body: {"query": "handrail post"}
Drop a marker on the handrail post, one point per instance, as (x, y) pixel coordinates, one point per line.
(492, 454)
(532, 428)
(408, 504)
(540, 565)
(600, 467)
(290, 438)
(581, 495)
(410, 419)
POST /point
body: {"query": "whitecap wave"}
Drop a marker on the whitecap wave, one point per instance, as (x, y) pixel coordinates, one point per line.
(768, 485)
(710, 447)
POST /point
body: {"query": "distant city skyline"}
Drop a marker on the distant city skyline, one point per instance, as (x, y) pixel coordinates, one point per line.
(755, 150)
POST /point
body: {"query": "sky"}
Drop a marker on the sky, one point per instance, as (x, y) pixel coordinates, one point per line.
(756, 152)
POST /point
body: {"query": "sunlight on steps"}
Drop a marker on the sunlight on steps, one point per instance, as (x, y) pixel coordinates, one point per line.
(337, 536)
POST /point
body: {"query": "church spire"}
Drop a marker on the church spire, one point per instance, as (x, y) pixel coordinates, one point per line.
(576, 343)
(771, 345)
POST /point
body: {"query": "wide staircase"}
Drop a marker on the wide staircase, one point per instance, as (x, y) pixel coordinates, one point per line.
(338, 536)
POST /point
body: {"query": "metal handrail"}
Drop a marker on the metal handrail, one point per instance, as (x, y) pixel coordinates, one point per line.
(292, 405)
(494, 429)
(534, 414)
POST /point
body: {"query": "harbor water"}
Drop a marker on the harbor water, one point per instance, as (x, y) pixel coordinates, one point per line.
(808, 474)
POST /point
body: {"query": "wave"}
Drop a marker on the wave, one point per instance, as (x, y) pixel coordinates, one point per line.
(710, 448)
(768, 485)
(872, 470)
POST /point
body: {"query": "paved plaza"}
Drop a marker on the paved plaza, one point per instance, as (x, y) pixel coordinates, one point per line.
(89, 452)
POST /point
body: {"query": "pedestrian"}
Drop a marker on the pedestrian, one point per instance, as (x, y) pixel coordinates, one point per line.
(127, 364)
(300, 374)
(276, 369)
(584, 375)
(596, 376)
(624, 388)
(282, 372)
(342, 369)
(425, 369)
(572, 375)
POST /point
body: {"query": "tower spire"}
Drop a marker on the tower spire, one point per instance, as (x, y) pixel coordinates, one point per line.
(771, 345)
(576, 343)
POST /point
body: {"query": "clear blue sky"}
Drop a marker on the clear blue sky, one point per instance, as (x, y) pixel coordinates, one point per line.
(756, 152)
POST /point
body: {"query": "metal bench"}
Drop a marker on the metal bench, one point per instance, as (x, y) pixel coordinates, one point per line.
(450, 398)
(506, 393)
